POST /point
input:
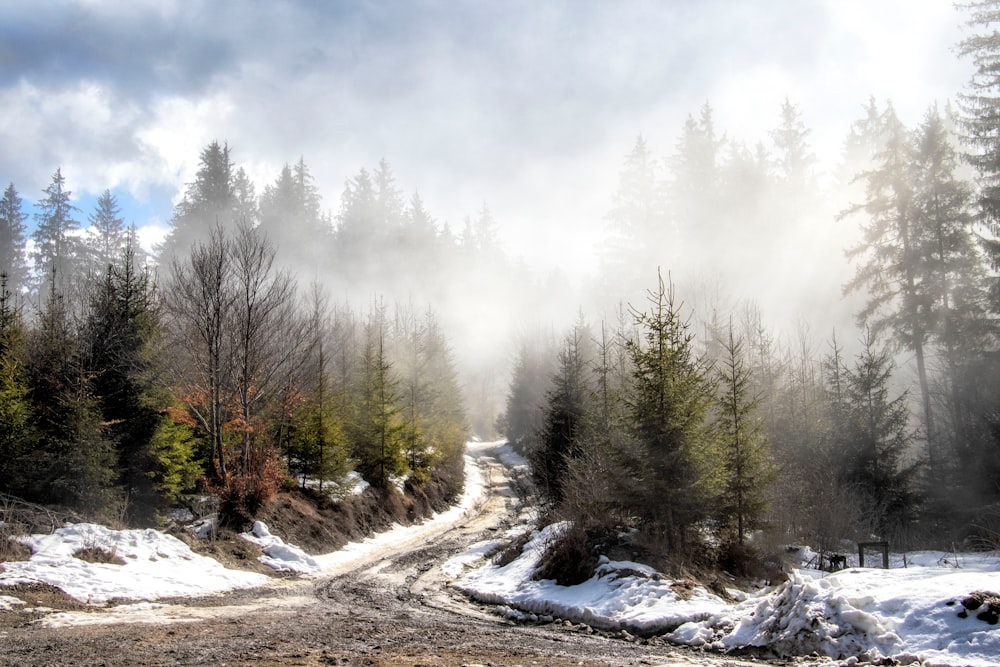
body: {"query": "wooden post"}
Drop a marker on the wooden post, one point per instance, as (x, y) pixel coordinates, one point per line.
(884, 546)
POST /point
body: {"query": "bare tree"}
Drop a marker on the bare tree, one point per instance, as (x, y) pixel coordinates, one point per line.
(199, 301)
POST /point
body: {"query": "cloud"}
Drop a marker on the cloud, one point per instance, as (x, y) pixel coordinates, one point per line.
(528, 105)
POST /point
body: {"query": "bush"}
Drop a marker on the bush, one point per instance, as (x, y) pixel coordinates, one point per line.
(569, 559)
(242, 494)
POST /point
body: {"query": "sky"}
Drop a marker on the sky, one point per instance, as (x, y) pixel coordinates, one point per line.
(528, 106)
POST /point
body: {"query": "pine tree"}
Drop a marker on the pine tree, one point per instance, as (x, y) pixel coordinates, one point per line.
(979, 106)
(209, 202)
(521, 420)
(794, 158)
(122, 330)
(669, 408)
(74, 462)
(375, 430)
(56, 251)
(109, 233)
(568, 403)
(893, 261)
(876, 430)
(17, 433)
(746, 466)
(637, 223)
(952, 271)
(694, 187)
(12, 228)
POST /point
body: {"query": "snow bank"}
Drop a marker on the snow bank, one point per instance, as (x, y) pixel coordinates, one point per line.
(278, 555)
(906, 614)
(620, 596)
(156, 566)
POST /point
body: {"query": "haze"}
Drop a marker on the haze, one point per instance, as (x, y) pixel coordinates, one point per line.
(528, 107)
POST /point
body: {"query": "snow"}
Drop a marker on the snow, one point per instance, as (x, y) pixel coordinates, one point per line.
(278, 555)
(156, 565)
(906, 614)
(909, 613)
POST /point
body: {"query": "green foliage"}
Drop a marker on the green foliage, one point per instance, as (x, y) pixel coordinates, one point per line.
(12, 247)
(669, 407)
(175, 449)
(745, 453)
(877, 432)
(17, 434)
(318, 444)
(569, 402)
(120, 335)
(376, 428)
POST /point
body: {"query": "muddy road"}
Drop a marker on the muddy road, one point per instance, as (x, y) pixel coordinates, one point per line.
(392, 607)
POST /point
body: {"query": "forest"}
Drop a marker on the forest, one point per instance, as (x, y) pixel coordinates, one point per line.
(273, 340)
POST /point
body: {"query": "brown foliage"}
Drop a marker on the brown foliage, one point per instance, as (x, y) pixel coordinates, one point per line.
(244, 492)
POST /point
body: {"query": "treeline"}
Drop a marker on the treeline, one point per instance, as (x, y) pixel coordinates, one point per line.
(125, 388)
(696, 441)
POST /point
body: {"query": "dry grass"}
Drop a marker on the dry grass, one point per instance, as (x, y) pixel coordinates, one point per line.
(96, 554)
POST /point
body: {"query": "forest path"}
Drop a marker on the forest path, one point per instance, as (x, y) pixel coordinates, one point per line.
(392, 606)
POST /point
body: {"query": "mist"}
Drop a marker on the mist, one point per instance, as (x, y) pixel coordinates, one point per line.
(524, 113)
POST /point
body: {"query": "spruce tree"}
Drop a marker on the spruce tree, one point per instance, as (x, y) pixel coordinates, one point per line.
(375, 429)
(122, 332)
(13, 262)
(877, 433)
(746, 466)
(57, 251)
(109, 233)
(210, 202)
(569, 402)
(671, 396)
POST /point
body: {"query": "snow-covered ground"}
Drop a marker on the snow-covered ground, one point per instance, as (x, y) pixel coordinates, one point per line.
(909, 614)
(157, 565)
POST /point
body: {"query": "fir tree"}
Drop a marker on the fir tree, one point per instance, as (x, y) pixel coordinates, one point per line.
(746, 465)
(669, 406)
(56, 249)
(12, 228)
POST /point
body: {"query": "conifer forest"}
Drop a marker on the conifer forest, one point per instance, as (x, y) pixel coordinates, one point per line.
(712, 382)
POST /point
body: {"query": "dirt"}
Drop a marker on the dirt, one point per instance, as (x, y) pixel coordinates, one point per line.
(394, 608)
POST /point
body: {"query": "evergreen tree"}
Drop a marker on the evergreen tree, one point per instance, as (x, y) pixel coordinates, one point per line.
(17, 433)
(694, 189)
(521, 420)
(56, 250)
(746, 466)
(290, 216)
(568, 404)
(892, 256)
(979, 105)
(12, 228)
(109, 233)
(210, 202)
(875, 428)
(74, 462)
(669, 406)
(122, 330)
(793, 156)
(952, 271)
(318, 444)
(638, 227)
(375, 430)
(445, 424)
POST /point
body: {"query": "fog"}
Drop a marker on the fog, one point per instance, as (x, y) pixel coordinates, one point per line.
(531, 108)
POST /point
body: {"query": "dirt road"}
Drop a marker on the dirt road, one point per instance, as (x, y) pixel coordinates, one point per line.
(393, 607)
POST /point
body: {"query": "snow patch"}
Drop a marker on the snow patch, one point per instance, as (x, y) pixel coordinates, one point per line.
(156, 565)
